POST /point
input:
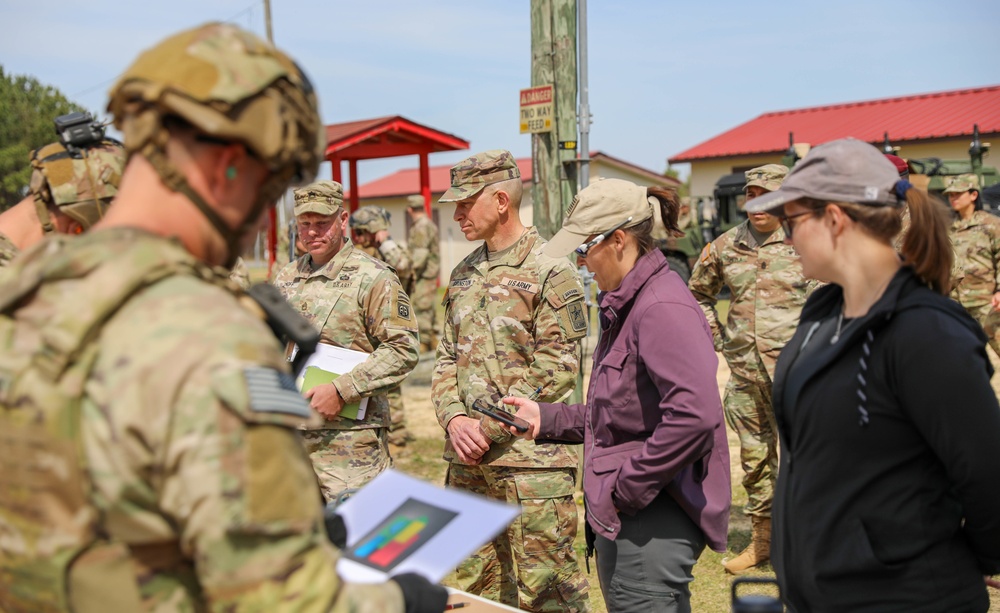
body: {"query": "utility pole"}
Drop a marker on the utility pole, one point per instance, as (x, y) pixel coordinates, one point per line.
(553, 62)
(583, 117)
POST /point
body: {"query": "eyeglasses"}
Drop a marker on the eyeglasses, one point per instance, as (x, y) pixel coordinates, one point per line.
(788, 226)
(583, 249)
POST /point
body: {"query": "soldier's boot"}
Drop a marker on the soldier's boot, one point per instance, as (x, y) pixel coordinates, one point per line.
(757, 552)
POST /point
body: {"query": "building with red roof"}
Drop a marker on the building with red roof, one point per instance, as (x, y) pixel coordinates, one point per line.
(936, 124)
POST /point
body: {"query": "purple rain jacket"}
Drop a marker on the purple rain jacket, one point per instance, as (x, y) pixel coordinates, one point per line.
(653, 421)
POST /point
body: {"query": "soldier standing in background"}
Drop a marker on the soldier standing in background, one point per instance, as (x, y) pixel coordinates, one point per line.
(975, 237)
(149, 456)
(70, 191)
(370, 233)
(768, 292)
(513, 317)
(356, 302)
(425, 253)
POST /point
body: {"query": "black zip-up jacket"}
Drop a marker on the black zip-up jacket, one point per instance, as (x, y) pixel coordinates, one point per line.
(888, 494)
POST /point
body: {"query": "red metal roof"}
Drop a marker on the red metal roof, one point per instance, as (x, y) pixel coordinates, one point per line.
(386, 137)
(407, 181)
(920, 117)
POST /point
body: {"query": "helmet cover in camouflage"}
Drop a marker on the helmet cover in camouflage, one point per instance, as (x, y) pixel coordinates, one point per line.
(474, 173)
(229, 84)
(768, 176)
(370, 218)
(962, 183)
(81, 184)
(321, 197)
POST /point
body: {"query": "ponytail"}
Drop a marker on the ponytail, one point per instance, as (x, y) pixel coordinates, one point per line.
(926, 246)
(670, 208)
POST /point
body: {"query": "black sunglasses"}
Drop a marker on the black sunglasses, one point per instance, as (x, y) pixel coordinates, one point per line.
(584, 248)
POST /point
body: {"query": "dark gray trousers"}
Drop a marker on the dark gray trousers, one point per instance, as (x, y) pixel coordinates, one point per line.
(647, 568)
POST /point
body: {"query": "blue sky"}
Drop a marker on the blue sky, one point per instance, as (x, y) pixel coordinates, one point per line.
(664, 75)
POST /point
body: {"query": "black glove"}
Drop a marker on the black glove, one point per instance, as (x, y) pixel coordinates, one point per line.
(420, 595)
(336, 531)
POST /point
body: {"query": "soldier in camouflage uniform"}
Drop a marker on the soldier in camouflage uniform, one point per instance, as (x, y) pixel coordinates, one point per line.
(512, 320)
(70, 191)
(425, 253)
(149, 456)
(356, 302)
(975, 236)
(370, 233)
(768, 291)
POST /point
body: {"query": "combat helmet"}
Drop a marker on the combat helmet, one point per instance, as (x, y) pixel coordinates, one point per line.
(79, 181)
(230, 86)
(370, 218)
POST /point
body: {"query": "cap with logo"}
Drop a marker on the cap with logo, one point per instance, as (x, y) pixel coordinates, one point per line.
(600, 206)
(370, 218)
(768, 177)
(321, 197)
(962, 183)
(472, 174)
(845, 170)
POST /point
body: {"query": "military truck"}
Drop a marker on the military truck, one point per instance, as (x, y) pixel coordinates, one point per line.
(933, 173)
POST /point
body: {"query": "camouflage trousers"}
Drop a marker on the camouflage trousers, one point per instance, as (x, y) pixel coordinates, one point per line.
(346, 459)
(425, 308)
(750, 415)
(398, 434)
(990, 321)
(531, 566)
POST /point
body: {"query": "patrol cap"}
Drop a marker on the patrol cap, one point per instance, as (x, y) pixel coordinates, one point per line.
(768, 176)
(322, 197)
(845, 170)
(600, 206)
(474, 173)
(370, 218)
(962, 183)
(416, 201)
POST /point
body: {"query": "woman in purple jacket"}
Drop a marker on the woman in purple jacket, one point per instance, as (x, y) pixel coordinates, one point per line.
(656, 460)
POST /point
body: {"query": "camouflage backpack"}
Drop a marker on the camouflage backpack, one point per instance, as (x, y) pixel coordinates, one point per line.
(51, 545)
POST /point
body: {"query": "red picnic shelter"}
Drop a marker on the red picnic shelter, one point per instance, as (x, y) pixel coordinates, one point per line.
(385, 137)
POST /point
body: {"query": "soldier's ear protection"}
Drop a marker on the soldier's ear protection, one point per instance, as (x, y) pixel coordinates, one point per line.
(231, 173)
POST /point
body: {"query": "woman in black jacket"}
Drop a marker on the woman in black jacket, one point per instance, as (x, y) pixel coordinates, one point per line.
(888, 493)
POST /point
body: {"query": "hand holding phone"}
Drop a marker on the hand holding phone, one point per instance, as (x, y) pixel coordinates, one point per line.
(501, 416)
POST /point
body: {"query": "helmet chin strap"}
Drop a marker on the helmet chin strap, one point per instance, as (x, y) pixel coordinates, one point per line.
(175, 181)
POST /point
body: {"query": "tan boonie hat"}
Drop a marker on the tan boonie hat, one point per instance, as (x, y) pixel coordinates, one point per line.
(962, 183)
(370, 218)
(768, 176)
(322, 197)
(845, 170)
(474, 173)
(599, 207)
(81, 184)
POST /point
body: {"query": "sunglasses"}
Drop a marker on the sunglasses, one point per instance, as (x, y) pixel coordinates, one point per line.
(788, 226)
(586, 247)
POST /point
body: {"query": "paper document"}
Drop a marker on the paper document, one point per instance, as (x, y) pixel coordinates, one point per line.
(326, 364)
(399, 524)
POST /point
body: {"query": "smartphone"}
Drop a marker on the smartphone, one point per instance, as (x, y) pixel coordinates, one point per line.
(501, 416)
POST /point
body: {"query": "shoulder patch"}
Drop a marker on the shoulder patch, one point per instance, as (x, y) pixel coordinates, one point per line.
(577, 319)
(271, 391)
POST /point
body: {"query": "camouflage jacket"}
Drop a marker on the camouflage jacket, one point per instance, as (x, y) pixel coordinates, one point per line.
(768, 293)
(206, 498)
(976, 272)
(240, 274)
(511, 326)
(7, 250)
(356, 302)
(395, 256)
(425, 249)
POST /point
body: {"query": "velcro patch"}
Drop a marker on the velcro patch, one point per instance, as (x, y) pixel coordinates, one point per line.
(524, 286)
(401, 311)
(462, 283)
(271, 391)
(577, 318)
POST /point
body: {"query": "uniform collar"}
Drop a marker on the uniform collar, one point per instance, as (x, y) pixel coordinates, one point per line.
(514, 255)
(330, 270)
(745, 237)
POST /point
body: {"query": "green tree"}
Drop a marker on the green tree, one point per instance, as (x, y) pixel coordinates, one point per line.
(27, 109)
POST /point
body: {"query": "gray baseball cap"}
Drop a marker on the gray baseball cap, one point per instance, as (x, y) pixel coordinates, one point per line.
(845, 170)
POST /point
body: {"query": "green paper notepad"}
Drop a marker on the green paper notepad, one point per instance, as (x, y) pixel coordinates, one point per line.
(317, 376)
